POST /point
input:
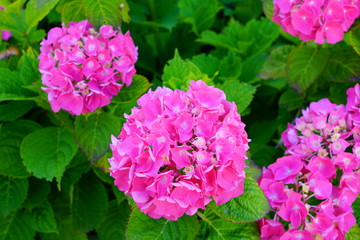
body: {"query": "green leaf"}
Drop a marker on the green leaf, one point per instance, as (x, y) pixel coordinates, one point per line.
(13, 192)
(13, 110)
(241, 93)
(207, 64)
(248, 207)
(248, 40)
(28, 67)
(291, 100)
(103, 12)
(11, 86)
(36, 10)
(9, 22)
(200, 14)
(178, 73)
(274, 67)
(16, 226)
(47, 151)
(72, 11)
(268, 6)
(126, 99)
(356, 207)
(38, 192)
(230, 67)
(89, 202)
(304, 65)
(219, 229)
(252, 67)
(11, 136)
(93, 133)
(113, 225)
(343, 65)
(43, 219)
(141, 226)
(354, 233)
(355, 38)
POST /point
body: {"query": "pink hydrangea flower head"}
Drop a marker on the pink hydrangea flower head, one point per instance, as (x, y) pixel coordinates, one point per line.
(82, 69)
(178, 149)
(319, 20)
(5, 35)
(321, 166)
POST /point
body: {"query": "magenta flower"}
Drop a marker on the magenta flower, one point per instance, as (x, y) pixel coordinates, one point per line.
(322, 166)
(83, 69)
(319, 20)
(178, 149)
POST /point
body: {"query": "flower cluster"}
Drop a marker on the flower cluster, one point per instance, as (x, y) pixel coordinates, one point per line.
(313, 187)
(81, 67)
(5, 35)
(178, 149)
(322, 20)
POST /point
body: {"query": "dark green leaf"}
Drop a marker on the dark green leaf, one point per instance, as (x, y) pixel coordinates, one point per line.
(219, 229)
(47, 151)
(38, 192)
(13, 192)
(274, 67)
(248, 207)
(113, 225)
(230, 67)
(93, 133)
(13, 110)
(291, 100)
(43, 219)
(16, 227)
(304, 65)
(141, 226)
(89, 202)
(11, 136)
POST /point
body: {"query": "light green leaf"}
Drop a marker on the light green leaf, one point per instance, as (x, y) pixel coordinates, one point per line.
(219, 229)
(268, 6)
(103, 12)
(200, 14)
(248, 207)
(354, 233)
(13, 192)
(178, 73)
(15, 227)
(141, 226)
(8, 22)
(241, 93)
(207, 64)
(11, 86)
(89, 203)
(126, 99)
(72, 11)
(274, 66)
(93, 133)
(113, 225)
(304, 65)
(47, 151)
(38, 192)
(43, 219)
(36, 10)
(28, 67)
(355, 38)
(13, 110)
(11, 136)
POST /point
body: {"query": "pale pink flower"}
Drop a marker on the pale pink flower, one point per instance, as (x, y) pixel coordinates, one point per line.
(178, 150)
(82, 69)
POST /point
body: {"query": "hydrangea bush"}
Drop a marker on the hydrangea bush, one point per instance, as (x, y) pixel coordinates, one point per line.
(108, 136)
(313, 187)
(178, 150)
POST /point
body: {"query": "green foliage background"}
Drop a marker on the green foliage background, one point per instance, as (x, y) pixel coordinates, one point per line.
(54, 181)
